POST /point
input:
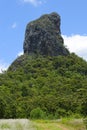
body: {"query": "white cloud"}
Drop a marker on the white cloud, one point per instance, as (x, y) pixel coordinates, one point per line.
(20, 53)
(77, 44)
(3, 66)
(33, 2)
(14, 25)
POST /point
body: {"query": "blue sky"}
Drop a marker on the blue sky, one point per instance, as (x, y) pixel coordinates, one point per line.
(15, 14)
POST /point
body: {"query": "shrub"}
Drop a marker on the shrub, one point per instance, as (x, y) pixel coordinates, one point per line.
(60, 113)
(37, 113)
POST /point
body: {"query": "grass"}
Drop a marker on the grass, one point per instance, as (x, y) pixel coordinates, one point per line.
(73, 124)
(25, 124)
(16, 124)
(62, 124)
(46, 125)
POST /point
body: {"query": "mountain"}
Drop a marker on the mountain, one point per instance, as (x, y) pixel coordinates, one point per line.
(47, 79)
(43, 36)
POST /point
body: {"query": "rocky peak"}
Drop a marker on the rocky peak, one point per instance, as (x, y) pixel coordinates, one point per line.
(43, 36)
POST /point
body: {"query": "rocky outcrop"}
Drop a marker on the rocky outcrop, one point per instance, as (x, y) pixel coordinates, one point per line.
(43, 36)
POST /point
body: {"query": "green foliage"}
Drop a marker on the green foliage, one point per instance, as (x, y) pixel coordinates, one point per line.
(60, 113)
(37, 113)
(57, 85)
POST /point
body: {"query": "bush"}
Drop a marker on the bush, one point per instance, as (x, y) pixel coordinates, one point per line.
(50, 117)
(37, 113)
(60, 113)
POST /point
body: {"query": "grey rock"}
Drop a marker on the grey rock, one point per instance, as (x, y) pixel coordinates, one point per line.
(43, 36)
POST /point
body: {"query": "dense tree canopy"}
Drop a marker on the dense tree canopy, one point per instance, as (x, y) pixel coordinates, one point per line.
(56, 85)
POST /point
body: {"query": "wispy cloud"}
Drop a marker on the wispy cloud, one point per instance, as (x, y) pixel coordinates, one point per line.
(33, 2)
(14, 25)
(77, 44)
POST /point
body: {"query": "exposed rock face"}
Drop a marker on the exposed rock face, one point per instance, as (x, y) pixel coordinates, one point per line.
(43, 36)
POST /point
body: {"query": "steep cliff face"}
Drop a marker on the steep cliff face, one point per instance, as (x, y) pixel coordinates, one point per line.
(43, 36)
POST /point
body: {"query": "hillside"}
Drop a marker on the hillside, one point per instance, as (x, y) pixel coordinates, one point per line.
(58, 85)
(52, 85)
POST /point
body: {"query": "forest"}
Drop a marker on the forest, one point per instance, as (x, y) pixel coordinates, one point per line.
(44, 87)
